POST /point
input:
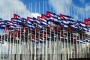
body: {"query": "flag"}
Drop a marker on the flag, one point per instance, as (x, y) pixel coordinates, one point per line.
(82, 26)
(65, 17)
(81, 23)
(66, 22)
(50, 14)
(2, 22)
(30, 19)
(44, 17)
(36, 20)
(16, 16)
(42, 21)
(16, 20)
(74, 27)
(87, 22)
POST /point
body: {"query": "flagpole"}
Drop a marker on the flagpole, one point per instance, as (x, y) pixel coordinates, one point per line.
(46, 45)
(35, 39)
(28, 41)
(70, 50)
(76, 46)
(10, 46)
(24, 43)
(3, 41)
(19, 42)
(45, 36)
(0, 44)
(79, 47)
(67, 46)
(61, 43)
(31, 47)
(54, 46)
(39, 52)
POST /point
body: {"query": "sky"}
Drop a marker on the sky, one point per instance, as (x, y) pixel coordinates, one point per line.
(78, 9)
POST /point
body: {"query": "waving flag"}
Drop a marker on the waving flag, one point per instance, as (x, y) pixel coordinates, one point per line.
(74, 27)
(82, 26)
(87, 22)
(45, 17)
(36, 20)
(53, 16)
(81, 23)
(65, 22)
(50, 14)
(29, 19)
(65, 17)
(16, 20)
(16, 16)
(42, 21)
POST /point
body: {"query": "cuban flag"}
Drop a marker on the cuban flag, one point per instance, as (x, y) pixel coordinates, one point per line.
(85, 28)
(82, 26)
(65, 22)
(7, 22)
(74, 27)
(57, 23)
(42, 21)
(29, 19)
(65, 17)
(30, 26)
(3, 25)
(16, 16)
(36, 20)
(65, 25)
(87, 22)
(16, 20)
(81, 23)
(72, 22)
(52, 16)
(45, 17)
(40, 26)
(28, 22)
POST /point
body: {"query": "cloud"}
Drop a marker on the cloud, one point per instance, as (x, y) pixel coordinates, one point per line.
(60, 6)
(67, 7)
(9, 7)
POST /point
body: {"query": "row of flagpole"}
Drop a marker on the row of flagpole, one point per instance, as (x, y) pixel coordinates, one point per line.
(43, 44)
